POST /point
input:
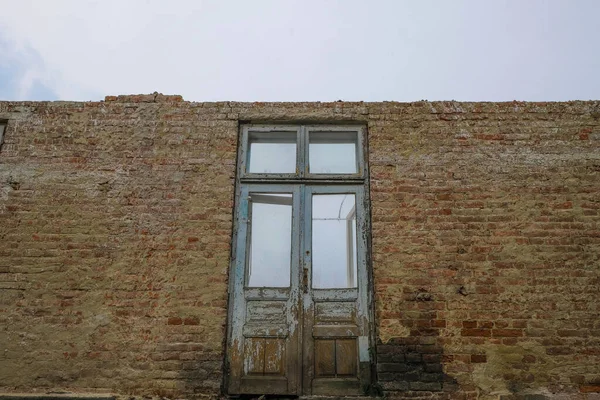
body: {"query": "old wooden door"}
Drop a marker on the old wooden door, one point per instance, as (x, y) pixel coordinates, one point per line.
(299, 298)
(300, 311)
(335, 299)
(264, 340)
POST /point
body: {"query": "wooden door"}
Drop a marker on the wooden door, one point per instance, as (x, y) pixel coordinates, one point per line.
(299, 316)
(263, 344)
(336, 326)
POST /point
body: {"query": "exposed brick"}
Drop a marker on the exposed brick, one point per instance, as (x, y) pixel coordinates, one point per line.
(425, 386)
(115, 243)
(191, 321)
(174, 321)
(590, 389)
(529, 359)
(469, 324)
(476, 332)
(392, 367)
(478, 358)
(507, 332)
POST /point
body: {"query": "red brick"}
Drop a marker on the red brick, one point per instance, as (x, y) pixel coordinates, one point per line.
(469, 324)
(174, 321)
(507, 332)
(191, 321)
(529, 359)
(478, 358)
(590, 389)
(476, 332)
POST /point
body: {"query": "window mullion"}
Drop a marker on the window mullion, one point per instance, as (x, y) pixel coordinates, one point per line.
(302, 152)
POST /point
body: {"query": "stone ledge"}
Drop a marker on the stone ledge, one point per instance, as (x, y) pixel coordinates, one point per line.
(144, 98)
(56, 396)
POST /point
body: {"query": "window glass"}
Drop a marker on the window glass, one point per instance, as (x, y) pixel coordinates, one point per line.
(334, 241)
(332, 152)
(272, 152)
(270, 233)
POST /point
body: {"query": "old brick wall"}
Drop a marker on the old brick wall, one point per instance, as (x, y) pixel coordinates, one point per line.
(115, 241)
(114, 245)
(486, 242)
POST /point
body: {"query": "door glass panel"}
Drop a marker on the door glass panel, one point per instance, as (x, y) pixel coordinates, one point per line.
(270, 233)
(332, 152)
(333, 241)
(272, 152)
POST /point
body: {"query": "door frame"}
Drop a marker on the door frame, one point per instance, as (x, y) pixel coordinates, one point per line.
(302, 181)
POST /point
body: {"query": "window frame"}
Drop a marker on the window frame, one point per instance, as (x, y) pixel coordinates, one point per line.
(302, 154)
(245, 229)
(3, 127)
(360, 240)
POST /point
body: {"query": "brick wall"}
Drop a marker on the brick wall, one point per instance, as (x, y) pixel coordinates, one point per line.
(115, 240)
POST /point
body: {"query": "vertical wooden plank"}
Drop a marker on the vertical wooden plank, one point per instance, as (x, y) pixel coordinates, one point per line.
(292, 362)
(345, 357)
(324, 358)
(307, 305)
(274, 356)
(236, 299)
(254, 356)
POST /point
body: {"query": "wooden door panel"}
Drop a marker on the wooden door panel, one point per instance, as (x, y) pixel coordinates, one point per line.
(270, 348)
(336, 358)
(264, 356)
(346, 357)
(324, 357)
(272, 311)
(275, 356)
(254, 356)
(335, 312)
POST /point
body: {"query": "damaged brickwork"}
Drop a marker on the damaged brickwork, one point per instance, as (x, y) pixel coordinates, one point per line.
(116, 223)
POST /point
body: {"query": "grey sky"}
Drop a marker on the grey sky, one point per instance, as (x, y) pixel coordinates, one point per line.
(301, 50)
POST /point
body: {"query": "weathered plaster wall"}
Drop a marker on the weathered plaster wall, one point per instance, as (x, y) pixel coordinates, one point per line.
(115, 226)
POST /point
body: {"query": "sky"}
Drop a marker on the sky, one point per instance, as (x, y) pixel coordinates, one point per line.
(308, 50)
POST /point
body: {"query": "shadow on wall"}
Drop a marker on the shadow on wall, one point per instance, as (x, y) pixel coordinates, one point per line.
(188, 368)
(414, 362)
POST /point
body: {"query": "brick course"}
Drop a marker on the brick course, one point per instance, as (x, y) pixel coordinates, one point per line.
(115, 232)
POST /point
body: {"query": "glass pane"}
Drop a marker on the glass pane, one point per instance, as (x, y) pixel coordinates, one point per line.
(270, 233)
(272, 152)
(332, 152)
(333, 241)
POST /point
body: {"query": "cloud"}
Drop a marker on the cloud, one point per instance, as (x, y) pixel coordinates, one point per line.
(270, 50)
(22, 74)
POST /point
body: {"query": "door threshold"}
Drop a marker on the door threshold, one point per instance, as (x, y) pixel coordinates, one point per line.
(348, 397)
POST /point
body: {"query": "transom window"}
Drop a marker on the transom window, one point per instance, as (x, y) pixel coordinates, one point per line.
(302, 152)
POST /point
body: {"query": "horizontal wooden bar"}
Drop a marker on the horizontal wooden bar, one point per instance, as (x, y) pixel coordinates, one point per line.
(334, 294)
(264, 384)
(336, 386)
(267, 293)
(273, 331)
(325, 331)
